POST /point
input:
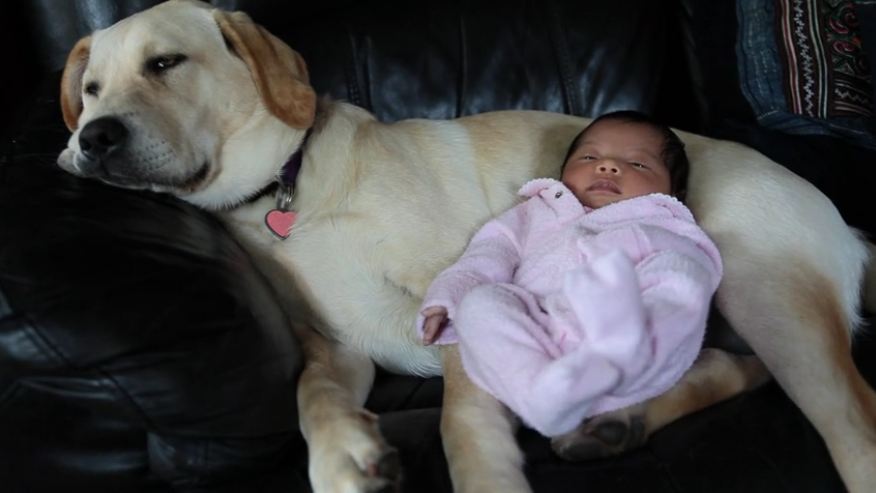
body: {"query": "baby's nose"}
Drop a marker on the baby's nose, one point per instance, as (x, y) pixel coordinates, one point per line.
(609, 167)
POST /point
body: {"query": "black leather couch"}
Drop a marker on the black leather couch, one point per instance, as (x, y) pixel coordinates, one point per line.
(141, 351)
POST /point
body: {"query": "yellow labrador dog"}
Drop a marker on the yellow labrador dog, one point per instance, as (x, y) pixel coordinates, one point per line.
(208, 106)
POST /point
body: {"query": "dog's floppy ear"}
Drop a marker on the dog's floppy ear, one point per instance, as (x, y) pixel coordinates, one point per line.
(71, 82)
(279, 72)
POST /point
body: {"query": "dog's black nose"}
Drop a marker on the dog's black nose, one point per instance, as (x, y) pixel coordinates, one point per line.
(101, 137)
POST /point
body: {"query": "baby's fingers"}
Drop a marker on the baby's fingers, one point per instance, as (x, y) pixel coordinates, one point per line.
(435, 316)
(430, 330)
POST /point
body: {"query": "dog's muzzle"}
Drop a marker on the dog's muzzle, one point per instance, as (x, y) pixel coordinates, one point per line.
(99, 141)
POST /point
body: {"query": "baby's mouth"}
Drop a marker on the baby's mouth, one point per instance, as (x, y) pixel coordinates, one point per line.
(604, 186)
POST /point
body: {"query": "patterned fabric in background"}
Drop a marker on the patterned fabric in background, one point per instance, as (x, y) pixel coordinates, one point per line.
(803, 67)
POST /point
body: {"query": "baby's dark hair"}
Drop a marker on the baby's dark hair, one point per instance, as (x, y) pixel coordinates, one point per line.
(673, 148)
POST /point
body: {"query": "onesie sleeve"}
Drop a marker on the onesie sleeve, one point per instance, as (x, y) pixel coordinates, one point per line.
(492, 256)
(677, 286)
(673, 284)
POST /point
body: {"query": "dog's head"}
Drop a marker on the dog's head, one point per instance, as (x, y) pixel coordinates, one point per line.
(178, 98)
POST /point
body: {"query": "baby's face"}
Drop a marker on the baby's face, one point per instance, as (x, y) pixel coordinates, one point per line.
(617, 160)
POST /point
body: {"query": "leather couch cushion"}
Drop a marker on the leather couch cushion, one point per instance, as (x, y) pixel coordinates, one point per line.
(404, 59)
(133, 323)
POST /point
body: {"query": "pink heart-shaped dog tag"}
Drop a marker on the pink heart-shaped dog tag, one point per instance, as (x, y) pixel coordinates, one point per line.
(280, 222)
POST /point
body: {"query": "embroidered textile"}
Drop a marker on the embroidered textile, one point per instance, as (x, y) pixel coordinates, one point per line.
(826, 69)
(804, 69)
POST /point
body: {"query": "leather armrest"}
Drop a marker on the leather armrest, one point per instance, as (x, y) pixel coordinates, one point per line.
(126, 315)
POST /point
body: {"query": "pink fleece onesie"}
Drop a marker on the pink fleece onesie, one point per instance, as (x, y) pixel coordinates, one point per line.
(563, 312)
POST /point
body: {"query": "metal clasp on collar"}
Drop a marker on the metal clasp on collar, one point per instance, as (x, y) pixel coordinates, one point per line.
(285, 195)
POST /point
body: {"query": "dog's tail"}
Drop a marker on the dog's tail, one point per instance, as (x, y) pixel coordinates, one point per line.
(870, 280)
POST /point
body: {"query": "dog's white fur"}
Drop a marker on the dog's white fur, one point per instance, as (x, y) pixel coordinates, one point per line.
(383, 207)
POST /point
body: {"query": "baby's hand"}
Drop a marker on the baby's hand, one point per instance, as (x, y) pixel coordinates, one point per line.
(436, 318)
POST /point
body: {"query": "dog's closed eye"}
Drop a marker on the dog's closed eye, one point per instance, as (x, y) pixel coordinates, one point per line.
(159, 64)
(92, 88)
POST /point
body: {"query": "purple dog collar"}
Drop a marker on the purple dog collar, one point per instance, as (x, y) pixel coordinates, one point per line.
(281, 218)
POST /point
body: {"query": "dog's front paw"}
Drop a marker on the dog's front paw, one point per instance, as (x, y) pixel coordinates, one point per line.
(605, 435)
(349, 455)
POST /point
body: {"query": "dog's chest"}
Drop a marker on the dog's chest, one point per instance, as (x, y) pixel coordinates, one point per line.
(363, 294)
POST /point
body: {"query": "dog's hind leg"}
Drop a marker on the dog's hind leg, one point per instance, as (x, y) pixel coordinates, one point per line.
(796, 320)
(478, 435)
(346, 451)
(715, 376)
